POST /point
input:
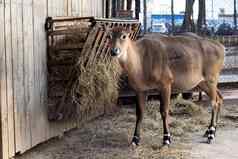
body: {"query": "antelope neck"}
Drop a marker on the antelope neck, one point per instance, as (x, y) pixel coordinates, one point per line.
(130, 59)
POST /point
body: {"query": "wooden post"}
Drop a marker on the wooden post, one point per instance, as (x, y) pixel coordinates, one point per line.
(145, 16)
(114, 3)
(137, 9)
(107, 8)
(122, 7)
(118, 6)
(3, 92)
(128, 4)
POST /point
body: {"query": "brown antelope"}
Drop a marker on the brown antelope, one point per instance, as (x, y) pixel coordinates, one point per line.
(169, 63)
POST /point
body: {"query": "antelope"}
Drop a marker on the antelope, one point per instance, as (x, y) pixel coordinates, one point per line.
(167, 64)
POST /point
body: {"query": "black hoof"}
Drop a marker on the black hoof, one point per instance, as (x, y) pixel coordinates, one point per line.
(210, 140)
(167, 139)
(211, 134)
(135, 141)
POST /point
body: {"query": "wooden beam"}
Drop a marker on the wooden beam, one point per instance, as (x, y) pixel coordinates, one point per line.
(137, 8)
(3, 87)
(9, 78)
(129, 4)
(114, 8)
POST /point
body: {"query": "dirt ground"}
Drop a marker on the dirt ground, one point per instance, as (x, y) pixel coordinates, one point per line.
(109, 137)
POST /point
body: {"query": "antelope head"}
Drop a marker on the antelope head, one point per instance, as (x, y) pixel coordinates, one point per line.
(119, 43)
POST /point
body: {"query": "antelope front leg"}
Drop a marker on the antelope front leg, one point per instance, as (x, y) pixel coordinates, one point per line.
(140, 102)
(216, 103)
(216, 106)
(164, 111)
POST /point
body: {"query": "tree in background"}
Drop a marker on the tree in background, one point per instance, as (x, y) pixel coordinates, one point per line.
(188, 23)
(201, 23)
(172, 13)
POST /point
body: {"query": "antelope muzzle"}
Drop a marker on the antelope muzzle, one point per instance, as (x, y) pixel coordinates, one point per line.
(115, 51)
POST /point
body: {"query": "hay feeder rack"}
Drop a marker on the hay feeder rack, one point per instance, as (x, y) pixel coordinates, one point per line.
(67, 38)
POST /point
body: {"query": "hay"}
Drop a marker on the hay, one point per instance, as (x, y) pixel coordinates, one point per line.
(86, 72)
(91, 83)
(96, 86)
(186, 108)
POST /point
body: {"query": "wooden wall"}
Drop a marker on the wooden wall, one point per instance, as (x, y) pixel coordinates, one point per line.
(76, 8)
(23, 72)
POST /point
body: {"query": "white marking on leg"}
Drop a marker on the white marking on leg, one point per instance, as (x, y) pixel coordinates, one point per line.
(211, 136)
(133, 144)
(212, 128)
(166, 142)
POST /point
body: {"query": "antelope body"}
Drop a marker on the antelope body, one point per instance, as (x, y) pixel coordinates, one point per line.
(170, 63)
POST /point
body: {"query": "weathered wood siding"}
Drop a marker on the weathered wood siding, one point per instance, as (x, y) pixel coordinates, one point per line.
(23, 72)
(76, 8)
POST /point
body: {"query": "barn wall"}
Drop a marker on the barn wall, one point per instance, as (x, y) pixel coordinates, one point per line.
(23, 72)
(76, 8)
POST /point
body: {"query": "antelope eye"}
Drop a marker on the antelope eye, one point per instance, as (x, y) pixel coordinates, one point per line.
(123, 37)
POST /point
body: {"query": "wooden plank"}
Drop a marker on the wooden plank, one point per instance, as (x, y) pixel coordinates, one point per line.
(81, 11)
(86, 11)
(50, 8)
(89, 7)
(28, 69)
(57, 8)
(102, 45)
(75, 8)
(69, 32)
(18, 72)
(96, 44)
(65, 7)
(9, 78)
(56, 5)
(62, 9)
(38, 111)
(70, 46)
(89, 42)
(3, 89)
(69, 11)
(93, 7)
(53, 129)
(101, 8)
